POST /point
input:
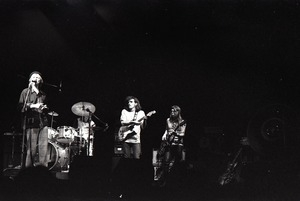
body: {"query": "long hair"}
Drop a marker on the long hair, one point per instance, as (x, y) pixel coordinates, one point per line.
(178, 117)
(40, 74)
(138, 106)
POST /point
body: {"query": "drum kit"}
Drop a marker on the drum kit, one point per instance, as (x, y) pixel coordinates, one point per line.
(65, 142)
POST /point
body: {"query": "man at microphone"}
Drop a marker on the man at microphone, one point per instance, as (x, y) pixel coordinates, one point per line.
(32, 104)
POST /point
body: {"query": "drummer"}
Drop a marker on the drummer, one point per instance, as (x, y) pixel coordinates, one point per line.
(85, 125)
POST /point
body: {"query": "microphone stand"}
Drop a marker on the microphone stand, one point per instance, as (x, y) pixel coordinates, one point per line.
(24, 110)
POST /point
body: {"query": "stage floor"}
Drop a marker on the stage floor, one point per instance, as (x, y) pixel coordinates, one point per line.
(259, 182)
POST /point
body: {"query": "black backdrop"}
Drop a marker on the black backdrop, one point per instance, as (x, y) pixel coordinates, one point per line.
(221, 61)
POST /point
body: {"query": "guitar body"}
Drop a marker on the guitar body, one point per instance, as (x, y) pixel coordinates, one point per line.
(170, 139)
(126, 132)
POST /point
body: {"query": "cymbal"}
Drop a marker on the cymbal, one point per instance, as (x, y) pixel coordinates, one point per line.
(53, 114)
(83, 108)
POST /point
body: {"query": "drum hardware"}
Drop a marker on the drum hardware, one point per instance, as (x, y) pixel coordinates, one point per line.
(54, 114)
(53, 133)
(79, 144)
(84, 109)
(84, 139)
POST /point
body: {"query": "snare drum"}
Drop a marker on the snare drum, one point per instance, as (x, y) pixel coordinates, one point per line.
(66, 134)
(57, 157)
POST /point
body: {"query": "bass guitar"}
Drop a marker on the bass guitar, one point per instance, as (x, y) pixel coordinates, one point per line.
(126, 132)
(169, 139)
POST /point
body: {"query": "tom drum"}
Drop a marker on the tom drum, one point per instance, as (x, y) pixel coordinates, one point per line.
(66, 134)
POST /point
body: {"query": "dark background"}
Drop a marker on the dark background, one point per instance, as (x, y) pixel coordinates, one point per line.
(220, 61)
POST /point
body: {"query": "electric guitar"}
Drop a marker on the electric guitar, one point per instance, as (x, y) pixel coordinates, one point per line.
(126, 132)
(230, 172)
(170, 138)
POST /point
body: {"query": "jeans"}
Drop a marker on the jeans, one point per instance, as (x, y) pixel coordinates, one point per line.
(132, 150)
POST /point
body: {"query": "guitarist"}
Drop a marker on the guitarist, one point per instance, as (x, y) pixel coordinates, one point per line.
(171, 149)
(130, 124)
(132, 120)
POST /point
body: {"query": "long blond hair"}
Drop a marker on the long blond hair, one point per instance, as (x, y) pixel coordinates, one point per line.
(178, 117)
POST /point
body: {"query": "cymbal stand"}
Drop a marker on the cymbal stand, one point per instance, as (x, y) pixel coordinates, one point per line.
(91, 114)
(51, 125)
(11, 164)
(89, 135)
(80, 138)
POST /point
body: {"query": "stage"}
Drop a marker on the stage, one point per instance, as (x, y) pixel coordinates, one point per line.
(89, 180)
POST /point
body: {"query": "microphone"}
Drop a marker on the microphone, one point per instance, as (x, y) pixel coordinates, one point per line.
(106, 127)
(60, 86)
(31, 83)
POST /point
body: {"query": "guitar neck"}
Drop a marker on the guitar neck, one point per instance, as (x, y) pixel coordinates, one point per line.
(146, 116)
(141, 119)
(181, 124)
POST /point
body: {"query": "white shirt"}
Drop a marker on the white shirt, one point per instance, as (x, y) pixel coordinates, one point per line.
(127, 117)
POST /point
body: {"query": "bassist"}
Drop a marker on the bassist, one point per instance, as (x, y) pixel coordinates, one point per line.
(171, 149)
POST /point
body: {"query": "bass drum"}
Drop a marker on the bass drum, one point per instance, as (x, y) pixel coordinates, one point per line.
(58, 157)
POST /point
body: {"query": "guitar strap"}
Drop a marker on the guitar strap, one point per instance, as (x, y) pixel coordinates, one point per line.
(135, 116)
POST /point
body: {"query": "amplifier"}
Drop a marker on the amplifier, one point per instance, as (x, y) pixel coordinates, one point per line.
(118, 149)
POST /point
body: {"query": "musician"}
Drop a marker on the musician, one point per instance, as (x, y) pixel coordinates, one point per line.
(85, 126)
(172, 146)
(132, 121)
(32, 103)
